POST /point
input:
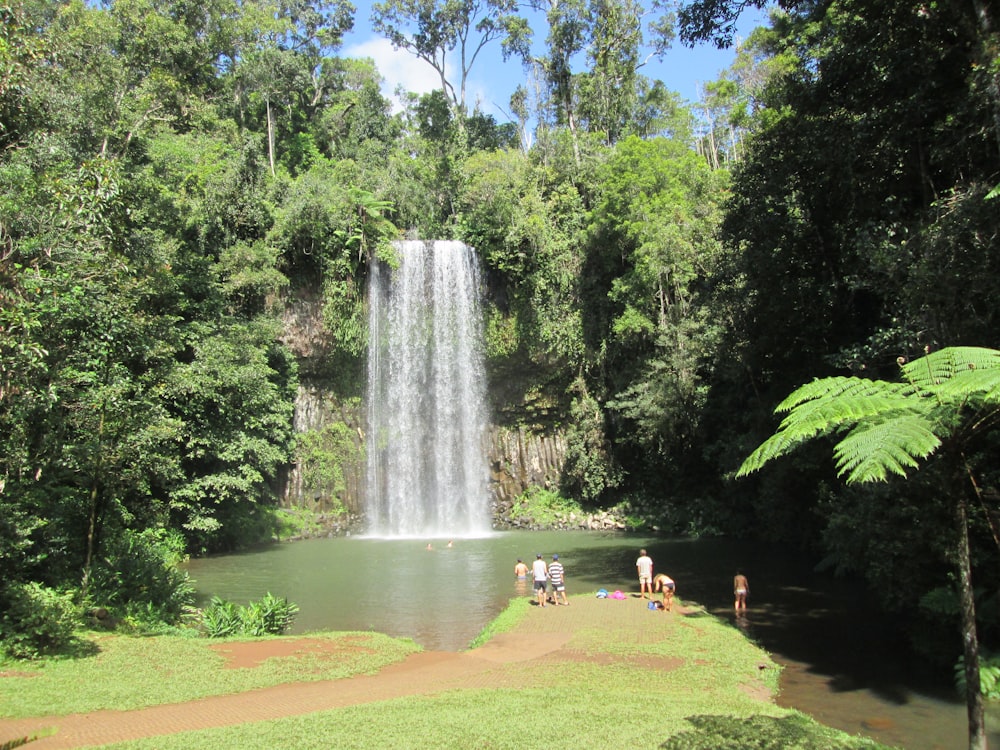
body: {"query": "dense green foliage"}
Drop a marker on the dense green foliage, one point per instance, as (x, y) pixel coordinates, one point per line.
(36, 621)
(175, 177)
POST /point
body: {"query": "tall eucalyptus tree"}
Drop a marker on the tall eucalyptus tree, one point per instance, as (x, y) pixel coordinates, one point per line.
(281, 55)
(616, 38)
(449, 35)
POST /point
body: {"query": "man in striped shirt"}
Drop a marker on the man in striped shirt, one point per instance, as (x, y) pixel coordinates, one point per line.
(558, 581)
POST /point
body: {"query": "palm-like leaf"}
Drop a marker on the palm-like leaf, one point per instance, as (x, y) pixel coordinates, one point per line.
(826, 406)
(834, 388)
(892, 425)
(941, 366)
(978, 386)
(873, 451)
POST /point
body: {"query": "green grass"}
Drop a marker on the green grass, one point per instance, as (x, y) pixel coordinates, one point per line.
(692, 682)
(129, 672)
(618, 709)
(507, 620)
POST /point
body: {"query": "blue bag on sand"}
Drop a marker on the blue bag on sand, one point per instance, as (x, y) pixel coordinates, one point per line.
(602, 593)
(651, 605)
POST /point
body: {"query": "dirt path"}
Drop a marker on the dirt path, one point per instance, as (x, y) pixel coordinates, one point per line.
(542, 638)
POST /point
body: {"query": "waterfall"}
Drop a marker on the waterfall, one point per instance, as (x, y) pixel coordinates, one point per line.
(426, 458)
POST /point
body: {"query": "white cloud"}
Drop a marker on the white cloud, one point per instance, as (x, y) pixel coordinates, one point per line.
(397, 67)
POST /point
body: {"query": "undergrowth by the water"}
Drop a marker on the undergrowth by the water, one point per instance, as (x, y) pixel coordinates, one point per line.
(543, 507)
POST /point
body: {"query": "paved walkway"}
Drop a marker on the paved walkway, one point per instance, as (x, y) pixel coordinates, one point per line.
(543, 635)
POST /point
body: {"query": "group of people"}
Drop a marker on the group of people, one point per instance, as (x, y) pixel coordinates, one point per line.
(553, 575)
(648, 583)
(545, 576)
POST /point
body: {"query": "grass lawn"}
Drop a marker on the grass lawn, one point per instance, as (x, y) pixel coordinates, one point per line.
(614, 676)
(128, 672)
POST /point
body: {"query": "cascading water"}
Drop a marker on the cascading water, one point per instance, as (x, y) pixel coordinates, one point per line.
(427, 472)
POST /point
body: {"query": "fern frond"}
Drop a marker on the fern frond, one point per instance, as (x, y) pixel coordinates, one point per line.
(870, 452)
(893, 426)
(826, 406)
(777, 445)
(831, 388)
(832, 414)
(937, 367)
(977, 385)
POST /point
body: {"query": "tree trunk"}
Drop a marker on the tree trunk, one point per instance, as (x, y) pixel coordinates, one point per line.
(713, 149)
(94, 511)
(970, 642)
(270, 135)
(988, 46)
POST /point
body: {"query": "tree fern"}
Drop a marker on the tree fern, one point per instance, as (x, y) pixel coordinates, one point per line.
(827, 406)
(873, 451)
(951, 396)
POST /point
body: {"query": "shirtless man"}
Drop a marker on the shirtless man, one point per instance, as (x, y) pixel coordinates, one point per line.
(520, 570)
(665, 584)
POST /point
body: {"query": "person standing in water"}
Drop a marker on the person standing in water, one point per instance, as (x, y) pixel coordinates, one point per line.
(557, 579)
(540, 574)
(644, 567)
(741, 587)
(520, 570)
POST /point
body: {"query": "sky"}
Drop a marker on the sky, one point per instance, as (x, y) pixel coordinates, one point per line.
(492, 81)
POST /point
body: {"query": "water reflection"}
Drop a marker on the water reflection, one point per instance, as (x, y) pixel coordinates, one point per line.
(842, 664)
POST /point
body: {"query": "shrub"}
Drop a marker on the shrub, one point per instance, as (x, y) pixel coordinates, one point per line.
(989, 674)
(794, 732)
(36, 620)
(137, 578)
(543, 506)
(270, 615)
(221, 618)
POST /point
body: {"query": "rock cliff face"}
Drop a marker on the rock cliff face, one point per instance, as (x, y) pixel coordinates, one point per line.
(330, 421)
(320, 488)
(521, 458)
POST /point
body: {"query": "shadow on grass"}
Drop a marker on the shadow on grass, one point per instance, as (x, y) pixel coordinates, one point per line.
(794, 732)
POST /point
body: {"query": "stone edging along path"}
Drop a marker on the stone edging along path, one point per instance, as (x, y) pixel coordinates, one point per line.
(542, 637)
